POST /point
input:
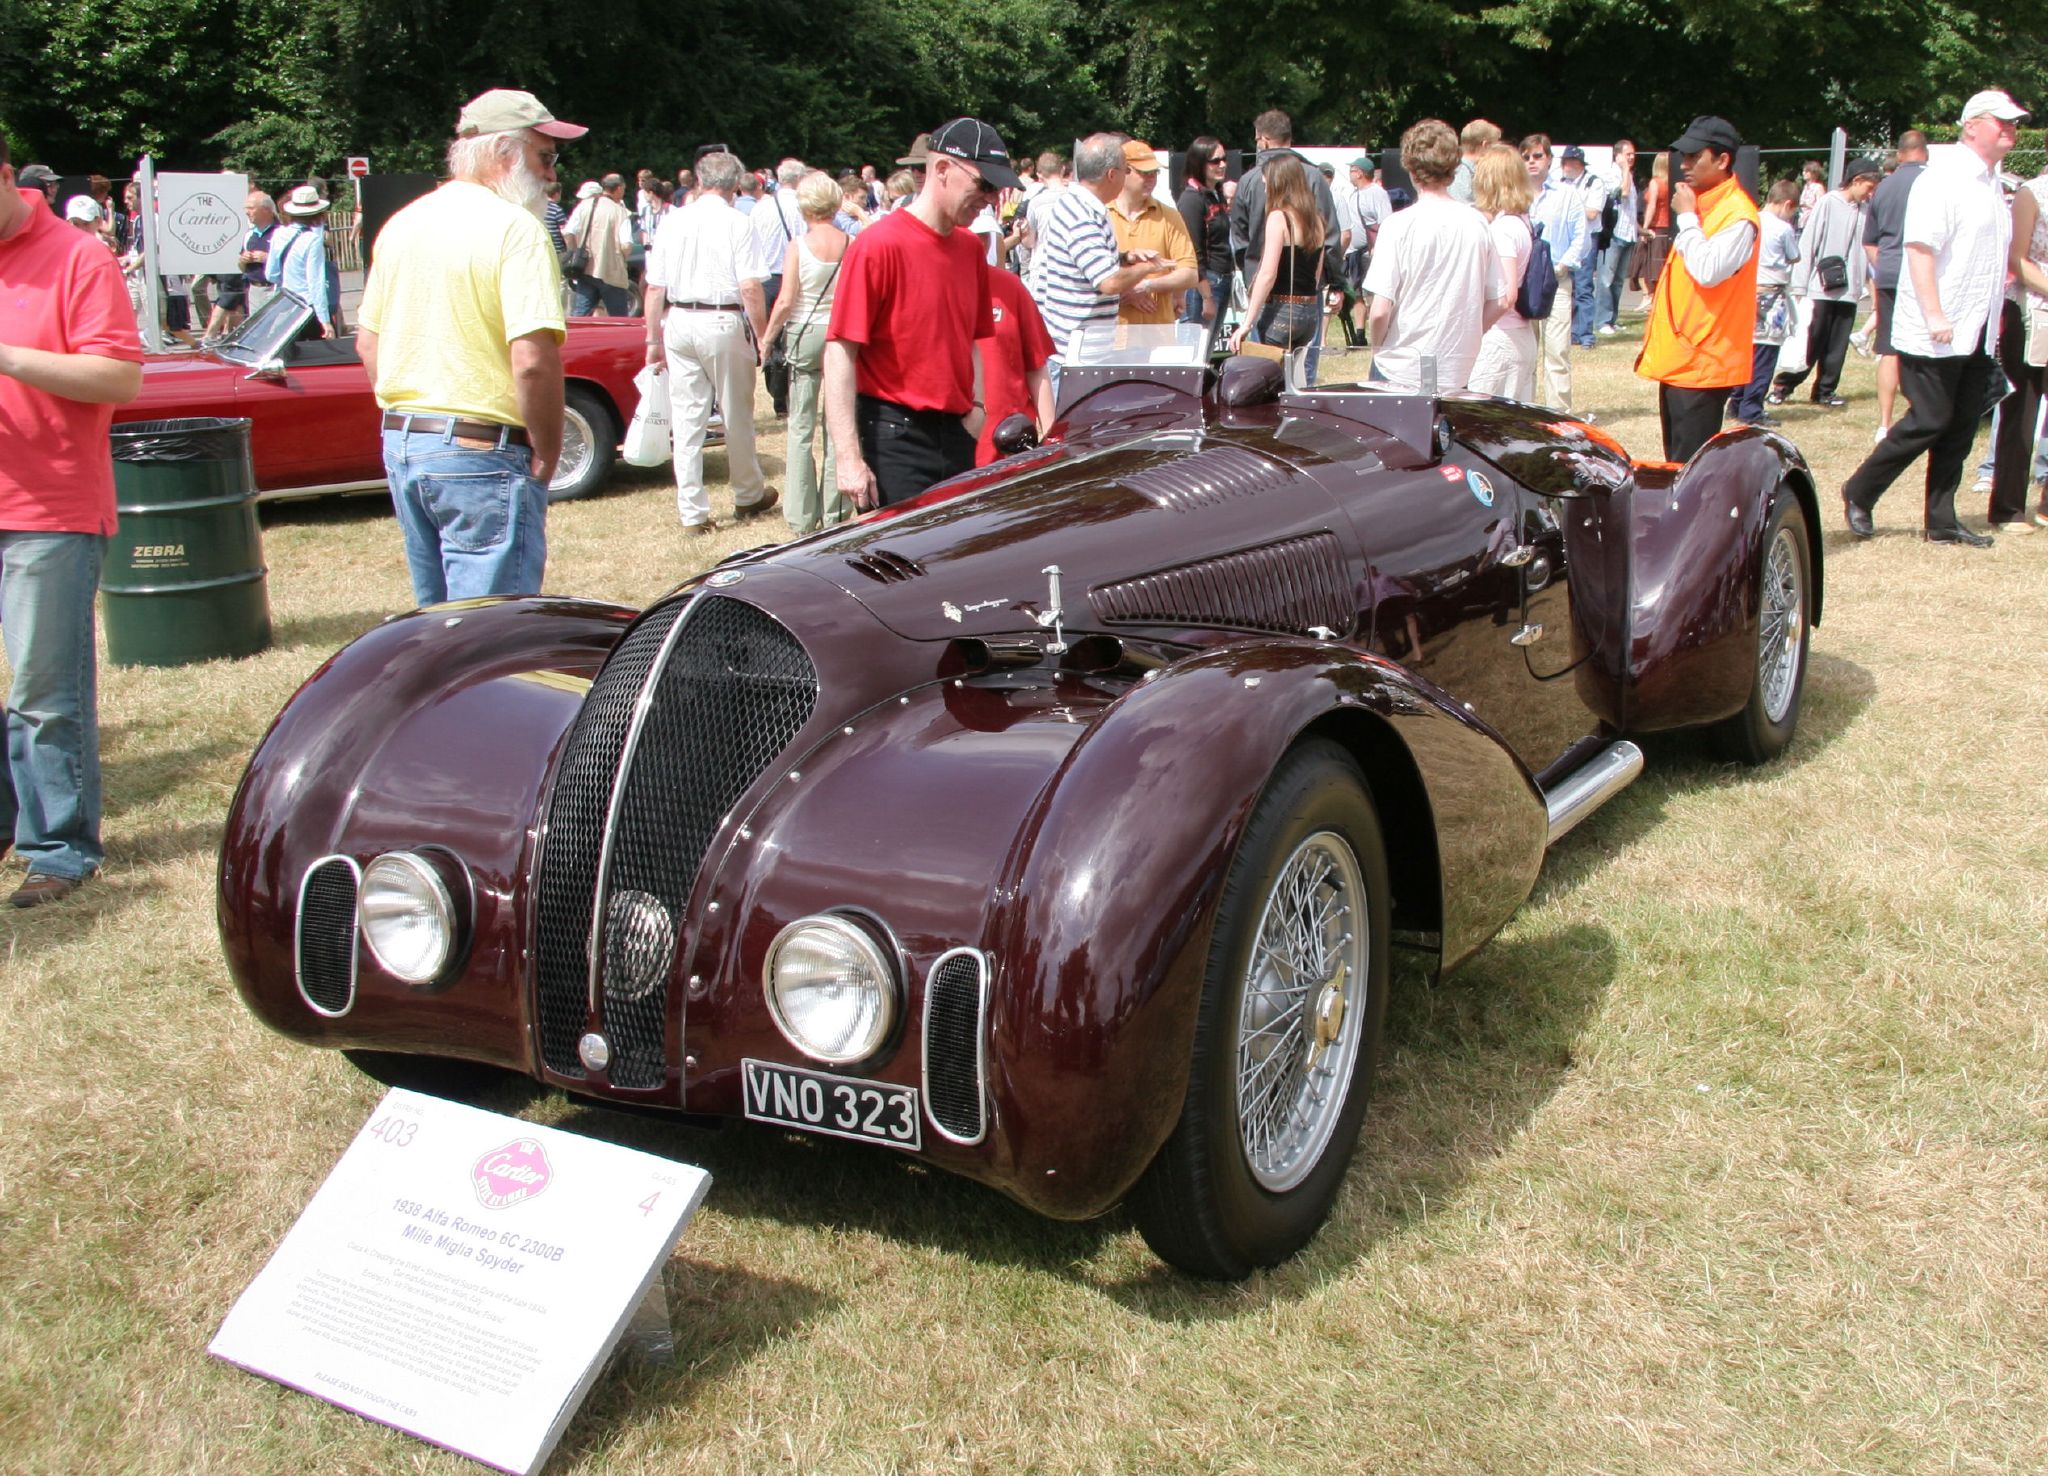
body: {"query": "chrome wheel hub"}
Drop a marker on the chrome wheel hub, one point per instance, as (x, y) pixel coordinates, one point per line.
(1297, 1028)
(577, 449)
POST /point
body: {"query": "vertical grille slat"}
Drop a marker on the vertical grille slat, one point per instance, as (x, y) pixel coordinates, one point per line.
(575, 837)
(955, 1017)
(733, 692)
(326, 943)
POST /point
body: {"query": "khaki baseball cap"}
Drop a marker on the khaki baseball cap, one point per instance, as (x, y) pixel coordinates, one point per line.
(502, 110)
(1139, 156)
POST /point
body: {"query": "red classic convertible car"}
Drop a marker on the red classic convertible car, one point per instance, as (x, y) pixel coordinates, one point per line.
(313, 421)
(1055, 827)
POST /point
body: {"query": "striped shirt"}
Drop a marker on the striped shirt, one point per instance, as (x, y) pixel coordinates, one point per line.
(1076, 249)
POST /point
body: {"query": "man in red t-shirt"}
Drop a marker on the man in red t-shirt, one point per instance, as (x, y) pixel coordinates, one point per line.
(1014, 379)
(68, 354)
(903, 380)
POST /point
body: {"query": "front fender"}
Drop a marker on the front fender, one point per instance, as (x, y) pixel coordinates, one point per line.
(436, 727)
(1113, 888)
(1697, 544)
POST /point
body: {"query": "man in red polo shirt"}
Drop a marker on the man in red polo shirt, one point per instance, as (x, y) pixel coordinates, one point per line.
(68, 355)
(902, 374)
(1014, 378)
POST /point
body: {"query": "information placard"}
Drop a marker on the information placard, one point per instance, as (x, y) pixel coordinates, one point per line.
(200, 224)
(463, 1276)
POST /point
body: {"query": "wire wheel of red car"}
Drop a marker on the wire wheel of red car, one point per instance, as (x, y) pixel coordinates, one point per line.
(1784, 613)
(1293, 1000)
(590, 444)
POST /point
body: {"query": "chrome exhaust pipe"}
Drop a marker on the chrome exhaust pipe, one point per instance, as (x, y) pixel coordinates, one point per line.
(1590, 786)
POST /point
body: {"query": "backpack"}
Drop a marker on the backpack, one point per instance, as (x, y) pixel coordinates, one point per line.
(1538, 292)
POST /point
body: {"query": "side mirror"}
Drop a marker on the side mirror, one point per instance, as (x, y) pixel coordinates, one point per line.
(270, 370)
(1015, 433)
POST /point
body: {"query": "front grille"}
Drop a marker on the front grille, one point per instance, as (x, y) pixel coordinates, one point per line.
(1293, 586)
(574, 837)
(327, 935)
(731, 695)
(955, 1005)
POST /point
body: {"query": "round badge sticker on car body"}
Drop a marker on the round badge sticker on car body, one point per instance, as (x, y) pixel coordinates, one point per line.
(1482, 487)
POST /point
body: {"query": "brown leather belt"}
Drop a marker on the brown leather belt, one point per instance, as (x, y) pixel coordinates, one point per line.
(707, 307)
(476, 430)
(1283, 297)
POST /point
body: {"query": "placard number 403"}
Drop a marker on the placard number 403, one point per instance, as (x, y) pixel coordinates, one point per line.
(397, 1131)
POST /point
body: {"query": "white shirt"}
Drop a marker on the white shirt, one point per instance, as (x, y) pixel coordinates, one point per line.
(1622, 190)
(1437, 263)
(1955, 209)
(1514, 241)
(777, 221)
(703, 252)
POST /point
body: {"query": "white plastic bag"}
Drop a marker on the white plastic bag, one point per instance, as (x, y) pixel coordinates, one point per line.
(647, 438)
(1792, 355)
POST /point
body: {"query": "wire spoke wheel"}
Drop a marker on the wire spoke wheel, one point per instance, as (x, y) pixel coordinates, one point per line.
(1296, 1035)
(1782, 625)
(578, 446)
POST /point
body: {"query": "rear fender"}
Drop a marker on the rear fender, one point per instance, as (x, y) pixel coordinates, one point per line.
(1697, 544)
(1113, 886)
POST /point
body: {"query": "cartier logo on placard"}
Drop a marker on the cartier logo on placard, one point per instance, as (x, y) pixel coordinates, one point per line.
(511, 1175)
(204, 223)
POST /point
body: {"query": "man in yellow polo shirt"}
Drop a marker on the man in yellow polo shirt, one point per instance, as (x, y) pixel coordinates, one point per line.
(1703, 320)
(461, 332)
(1143, 222)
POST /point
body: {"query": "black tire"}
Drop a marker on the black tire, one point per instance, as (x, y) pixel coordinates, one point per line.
(437, 1076)
(1759, 732)
(590, 445)
(1203, 1205)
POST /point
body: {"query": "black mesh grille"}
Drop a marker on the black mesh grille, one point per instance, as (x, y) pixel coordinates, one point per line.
(735, 691)
(575, 835)
(1294, 585)
(327, 936)
(952, 1046)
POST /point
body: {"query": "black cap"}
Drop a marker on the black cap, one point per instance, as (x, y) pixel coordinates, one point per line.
(1708, 132)
(1860, 168)
(36, 176)
(980, 145)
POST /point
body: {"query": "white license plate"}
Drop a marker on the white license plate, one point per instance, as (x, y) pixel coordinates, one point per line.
(844, 1106)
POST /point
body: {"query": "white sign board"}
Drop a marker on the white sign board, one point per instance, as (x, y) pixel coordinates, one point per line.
(463, 1276)
(199, 223)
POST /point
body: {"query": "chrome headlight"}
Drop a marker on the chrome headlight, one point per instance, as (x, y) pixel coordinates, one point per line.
(407, 916)
(833, 991)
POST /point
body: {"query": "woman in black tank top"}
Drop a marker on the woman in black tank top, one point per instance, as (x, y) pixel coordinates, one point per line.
(1285, 305)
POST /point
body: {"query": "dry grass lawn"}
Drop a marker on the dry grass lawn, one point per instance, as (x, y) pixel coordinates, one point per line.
(1728, 1155)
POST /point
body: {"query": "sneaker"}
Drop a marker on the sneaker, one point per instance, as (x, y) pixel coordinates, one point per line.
(1767, 420)
(1832, 402)
(1881, 432)
(42, 887)
(1982, 484)
(2018, 527)
(1608, 330)
(1775, 397)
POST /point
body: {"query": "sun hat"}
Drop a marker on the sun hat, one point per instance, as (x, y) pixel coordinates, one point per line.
(588, 188)
(920, 149)
(82, 207)
(503, 110)
(304, 201)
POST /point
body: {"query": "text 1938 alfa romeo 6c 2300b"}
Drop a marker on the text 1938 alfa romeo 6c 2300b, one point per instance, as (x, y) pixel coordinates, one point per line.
(1054, 827)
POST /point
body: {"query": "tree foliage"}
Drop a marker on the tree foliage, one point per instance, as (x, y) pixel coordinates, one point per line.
(287, 86)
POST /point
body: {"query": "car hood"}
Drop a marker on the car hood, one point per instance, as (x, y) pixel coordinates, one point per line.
(970, 557)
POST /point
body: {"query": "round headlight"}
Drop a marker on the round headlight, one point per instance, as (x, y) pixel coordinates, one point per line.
(832, 990)
(408, 918)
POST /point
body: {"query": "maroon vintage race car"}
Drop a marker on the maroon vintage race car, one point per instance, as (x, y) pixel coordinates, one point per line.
(313, 422)
(1054, 828)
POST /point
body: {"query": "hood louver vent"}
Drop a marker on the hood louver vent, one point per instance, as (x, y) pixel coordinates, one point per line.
(1206, 478)
(1292, 586)
(885, 567)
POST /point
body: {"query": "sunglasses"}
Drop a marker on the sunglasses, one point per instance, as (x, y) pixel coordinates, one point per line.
(974, 174)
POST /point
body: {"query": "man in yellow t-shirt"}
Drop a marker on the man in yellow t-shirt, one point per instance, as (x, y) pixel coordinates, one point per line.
(461, 332)
(1143, 223)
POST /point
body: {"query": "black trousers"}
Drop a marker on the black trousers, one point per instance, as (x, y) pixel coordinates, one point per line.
(2014, 446)
(1691, 418)
(1827, 347)
(910, 450)
(1945, 400)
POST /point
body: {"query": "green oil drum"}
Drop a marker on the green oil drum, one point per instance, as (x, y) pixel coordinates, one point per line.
(183, 578)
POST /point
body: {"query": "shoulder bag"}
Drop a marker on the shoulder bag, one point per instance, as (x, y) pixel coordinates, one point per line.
(1833, 270)
(576, 259)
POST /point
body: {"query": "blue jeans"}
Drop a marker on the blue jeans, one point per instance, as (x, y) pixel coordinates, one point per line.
(585, 293)
(1582, 303)
(1609, 280)
(50, 803)
(474, 520)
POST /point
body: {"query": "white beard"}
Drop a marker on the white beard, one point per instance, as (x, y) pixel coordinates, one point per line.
(523, 185)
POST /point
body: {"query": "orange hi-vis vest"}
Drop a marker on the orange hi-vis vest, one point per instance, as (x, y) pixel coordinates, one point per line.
(1699, 337)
